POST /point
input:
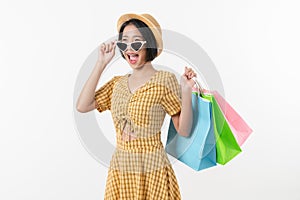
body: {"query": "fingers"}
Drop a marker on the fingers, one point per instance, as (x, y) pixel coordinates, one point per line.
(114, 45)
(108, 47)
(103, 47)
(189, 73)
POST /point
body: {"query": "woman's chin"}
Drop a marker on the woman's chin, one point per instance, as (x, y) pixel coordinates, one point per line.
(135, 64)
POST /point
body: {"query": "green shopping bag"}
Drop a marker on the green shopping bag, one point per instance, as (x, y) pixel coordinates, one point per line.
(226, 144)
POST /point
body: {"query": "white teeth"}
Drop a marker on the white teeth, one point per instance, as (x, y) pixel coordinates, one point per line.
(132, 57)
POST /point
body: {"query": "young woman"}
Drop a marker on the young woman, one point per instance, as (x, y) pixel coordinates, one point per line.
(138, 102)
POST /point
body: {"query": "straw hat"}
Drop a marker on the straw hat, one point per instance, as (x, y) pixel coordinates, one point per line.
(150, 22)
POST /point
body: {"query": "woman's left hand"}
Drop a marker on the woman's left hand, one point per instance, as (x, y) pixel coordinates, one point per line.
(186, 80)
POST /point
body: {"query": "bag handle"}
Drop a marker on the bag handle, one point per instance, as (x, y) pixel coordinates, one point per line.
(199, 87)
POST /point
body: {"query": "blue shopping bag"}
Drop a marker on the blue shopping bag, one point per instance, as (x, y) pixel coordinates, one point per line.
(197, 151)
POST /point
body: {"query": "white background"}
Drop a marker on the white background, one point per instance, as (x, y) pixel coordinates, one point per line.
(43, 44)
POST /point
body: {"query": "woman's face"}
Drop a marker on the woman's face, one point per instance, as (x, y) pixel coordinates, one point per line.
(131, 34)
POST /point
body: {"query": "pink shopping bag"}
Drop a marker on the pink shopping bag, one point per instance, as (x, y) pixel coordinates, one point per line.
(237, 124)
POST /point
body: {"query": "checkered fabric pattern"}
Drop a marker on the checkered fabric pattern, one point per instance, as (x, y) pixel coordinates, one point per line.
(139, 168)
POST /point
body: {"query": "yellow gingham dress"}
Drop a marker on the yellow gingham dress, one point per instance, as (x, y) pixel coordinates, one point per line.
(139, 168)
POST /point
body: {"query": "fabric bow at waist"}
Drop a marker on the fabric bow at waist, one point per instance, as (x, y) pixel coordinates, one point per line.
(124, 124)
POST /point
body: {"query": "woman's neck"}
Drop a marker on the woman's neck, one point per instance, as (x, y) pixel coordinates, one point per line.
(145, 69)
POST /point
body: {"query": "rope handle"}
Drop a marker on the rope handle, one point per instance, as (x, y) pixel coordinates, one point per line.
(199, 87)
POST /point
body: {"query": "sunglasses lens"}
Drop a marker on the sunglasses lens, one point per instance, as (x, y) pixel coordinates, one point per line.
(136, 45)
(122, 46)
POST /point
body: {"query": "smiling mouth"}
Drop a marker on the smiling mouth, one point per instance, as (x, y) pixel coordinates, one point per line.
(132, 58)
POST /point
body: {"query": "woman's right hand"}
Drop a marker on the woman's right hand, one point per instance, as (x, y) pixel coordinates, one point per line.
(106, 52)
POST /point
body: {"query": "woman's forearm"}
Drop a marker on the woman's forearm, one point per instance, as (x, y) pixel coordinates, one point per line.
(85, 101)
(186, 114)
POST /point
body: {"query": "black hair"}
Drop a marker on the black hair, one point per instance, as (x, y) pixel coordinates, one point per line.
(151, 47)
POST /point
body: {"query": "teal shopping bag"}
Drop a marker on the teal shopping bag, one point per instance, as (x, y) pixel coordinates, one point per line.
(197, 151)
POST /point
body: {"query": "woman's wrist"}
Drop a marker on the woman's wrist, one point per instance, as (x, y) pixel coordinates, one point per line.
(100, 64)
(186, 88)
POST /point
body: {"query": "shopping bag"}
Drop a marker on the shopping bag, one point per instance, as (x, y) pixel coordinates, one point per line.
(238, 126)
(198, 150)
(226, 144)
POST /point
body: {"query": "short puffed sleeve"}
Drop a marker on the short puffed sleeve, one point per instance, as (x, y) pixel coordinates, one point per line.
(172, 99)
(103, 95)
